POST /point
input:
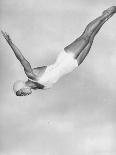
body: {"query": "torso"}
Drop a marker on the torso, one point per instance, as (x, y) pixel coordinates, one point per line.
(46, 76)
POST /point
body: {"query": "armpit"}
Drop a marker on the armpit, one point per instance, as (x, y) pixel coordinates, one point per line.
(31, 75)
(38, 71)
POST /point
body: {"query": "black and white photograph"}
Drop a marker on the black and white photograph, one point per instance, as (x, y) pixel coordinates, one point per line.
(57, 77)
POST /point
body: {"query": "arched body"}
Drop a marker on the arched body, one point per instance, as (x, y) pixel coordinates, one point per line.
(67, 60)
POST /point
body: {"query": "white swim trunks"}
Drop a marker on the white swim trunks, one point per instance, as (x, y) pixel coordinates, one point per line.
(64, 64)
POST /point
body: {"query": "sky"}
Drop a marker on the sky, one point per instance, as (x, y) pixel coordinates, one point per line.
(78, 115)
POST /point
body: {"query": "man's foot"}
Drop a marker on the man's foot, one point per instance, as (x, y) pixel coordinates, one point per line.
(110, 11)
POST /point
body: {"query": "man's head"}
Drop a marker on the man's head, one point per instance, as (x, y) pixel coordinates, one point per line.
(21, 89)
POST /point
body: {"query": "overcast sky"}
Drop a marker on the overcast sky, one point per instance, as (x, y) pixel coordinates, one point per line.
(78, 115)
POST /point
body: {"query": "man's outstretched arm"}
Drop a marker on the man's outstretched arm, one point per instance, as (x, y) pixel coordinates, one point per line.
(26, 65)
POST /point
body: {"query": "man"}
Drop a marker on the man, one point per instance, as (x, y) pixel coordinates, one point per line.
(68, 59)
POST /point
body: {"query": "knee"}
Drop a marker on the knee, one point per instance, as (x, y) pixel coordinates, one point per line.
(87, 33)
(89, 28)
(86, 37)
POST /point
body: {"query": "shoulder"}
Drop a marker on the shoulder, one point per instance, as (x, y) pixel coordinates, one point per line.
(36, 72)
(39, 70)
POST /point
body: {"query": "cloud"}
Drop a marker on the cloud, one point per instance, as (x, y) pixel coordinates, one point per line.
(76, 116)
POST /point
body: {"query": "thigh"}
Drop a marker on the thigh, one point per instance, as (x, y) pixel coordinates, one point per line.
(84, 53)
(77, 46)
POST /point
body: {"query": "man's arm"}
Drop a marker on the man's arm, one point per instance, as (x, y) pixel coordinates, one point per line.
(26, 65)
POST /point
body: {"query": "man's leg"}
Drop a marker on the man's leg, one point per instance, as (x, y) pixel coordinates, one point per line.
(80, 43)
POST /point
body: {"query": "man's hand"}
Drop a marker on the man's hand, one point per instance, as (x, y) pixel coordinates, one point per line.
(6, 36)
